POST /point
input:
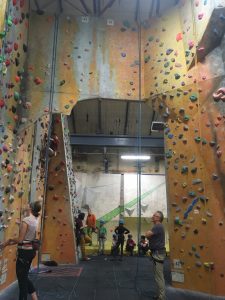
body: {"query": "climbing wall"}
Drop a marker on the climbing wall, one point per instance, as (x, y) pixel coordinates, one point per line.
(89, 55)
(58, 233)
(183, 82)
(16, 138)
(74, 200)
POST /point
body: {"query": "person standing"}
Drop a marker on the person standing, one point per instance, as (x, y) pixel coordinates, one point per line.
(120, 231)
(91, 224)
(130, 245)
(156, 238)
(26, 251)
(102, 234)
(80, 235)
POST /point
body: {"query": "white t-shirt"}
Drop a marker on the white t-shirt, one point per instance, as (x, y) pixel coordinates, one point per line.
(32, 223)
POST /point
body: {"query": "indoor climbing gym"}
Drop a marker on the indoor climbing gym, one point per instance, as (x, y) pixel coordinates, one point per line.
(112, 149)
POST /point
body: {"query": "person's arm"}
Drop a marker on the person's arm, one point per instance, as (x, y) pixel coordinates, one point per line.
(94, 220)
(148, 234)
(126, 231)
(116, 230)
(14, 241)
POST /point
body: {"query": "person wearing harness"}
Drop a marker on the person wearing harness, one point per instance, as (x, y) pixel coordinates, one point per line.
(120, 231)
(26, 251)
(156, 238)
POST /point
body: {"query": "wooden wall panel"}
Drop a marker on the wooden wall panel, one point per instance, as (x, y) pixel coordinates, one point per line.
(58, 234)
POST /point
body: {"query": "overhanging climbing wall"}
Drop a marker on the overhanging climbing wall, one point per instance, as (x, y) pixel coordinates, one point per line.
(58, 232)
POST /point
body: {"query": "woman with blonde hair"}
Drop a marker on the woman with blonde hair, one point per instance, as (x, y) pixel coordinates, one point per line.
(26, 250)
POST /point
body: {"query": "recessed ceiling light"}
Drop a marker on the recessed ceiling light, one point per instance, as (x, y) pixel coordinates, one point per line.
(135, 157)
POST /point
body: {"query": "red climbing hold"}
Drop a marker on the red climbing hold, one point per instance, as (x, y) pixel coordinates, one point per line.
(2, 103)
(179, 37)
(37, 80)
(16, 46)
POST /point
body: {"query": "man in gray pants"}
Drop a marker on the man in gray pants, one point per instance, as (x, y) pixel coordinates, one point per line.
(156, 238)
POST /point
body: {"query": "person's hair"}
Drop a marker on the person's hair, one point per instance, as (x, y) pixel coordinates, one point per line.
(35, 208)
(161, 215)
(81, 216)
(142, 237)
(129, 236)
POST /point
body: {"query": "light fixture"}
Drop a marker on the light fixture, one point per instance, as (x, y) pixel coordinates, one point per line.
(135, 157)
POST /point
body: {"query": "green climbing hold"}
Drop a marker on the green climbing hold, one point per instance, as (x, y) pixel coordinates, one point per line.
(197, 139)
(2, 58)
(184, 170)
(126, 23)
(16, 96)
(67, 106)
(2, 34)
(177, 221)
(186, 118)
(9, 21)
(151, 38)
(147, 58)
(191, 194)
(166, 64)
(169, 154)
(193, 98)
(62, 82)
(177, 76)
(204, 141)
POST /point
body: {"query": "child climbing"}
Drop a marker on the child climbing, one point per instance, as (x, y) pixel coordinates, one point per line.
(130, 245)
(102, 234)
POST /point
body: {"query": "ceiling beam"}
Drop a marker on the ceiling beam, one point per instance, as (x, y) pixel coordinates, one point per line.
(76, 8)
(98, 7)
(126, 118)
(158, 8)
(137, 10)
(108, 5)
(95, 7)
(87, 10)
(115, 141)
(151, 9)
(60, 6)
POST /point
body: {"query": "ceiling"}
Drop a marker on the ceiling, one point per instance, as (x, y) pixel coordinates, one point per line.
(113, 117)
(104, 8)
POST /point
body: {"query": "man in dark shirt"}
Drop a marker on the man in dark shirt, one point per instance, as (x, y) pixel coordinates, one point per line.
(156, 238)
(120, 231)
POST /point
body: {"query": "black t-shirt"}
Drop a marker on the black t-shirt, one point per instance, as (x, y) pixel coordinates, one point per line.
(121, 230)
(157, 240)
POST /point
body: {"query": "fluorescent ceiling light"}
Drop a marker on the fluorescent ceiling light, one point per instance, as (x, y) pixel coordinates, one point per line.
(136, 157)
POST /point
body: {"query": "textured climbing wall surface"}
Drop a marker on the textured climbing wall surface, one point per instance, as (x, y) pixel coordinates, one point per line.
(74, 200)
(58, 234)
(16, 145)
(193, 107)
(15, 176)
(92, 60)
